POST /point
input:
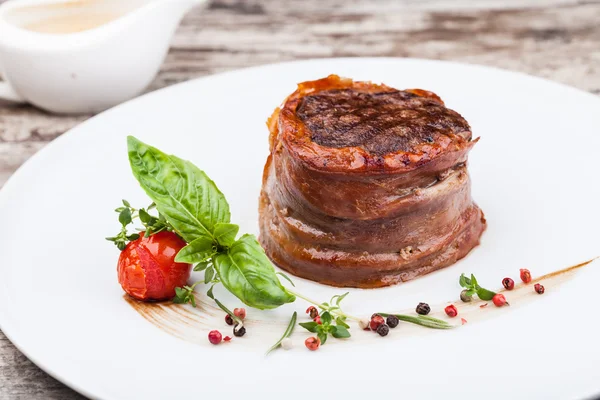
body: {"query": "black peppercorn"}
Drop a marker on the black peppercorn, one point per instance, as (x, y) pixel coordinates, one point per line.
(228, 319)
(423, 309)
(392, 321)
(383, 330)
(239, 332)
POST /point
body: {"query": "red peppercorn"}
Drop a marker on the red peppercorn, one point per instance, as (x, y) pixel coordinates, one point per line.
(312, 312)
(312, 343)
(239, 312)
(318, 320)
(508, 283)
(525, 275)
(451, 311)
(539, 289)
(499, 300)
(215, 337)
(376, 321)
(228, 319)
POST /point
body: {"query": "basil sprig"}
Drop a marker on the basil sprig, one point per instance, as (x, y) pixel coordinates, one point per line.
(472, 287)
(198, 212)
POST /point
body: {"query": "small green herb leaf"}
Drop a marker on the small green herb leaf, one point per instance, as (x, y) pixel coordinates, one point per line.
(201, 266)
(184, 295)
(464, 281)
(125, 216)
(309, 326)
(340, 321)
(322, 337)
(209, 274)
(474, 281)
(341, 332)
(209, 293)
(133, 236)
(225, 233)
(340, 298)
(326, 318)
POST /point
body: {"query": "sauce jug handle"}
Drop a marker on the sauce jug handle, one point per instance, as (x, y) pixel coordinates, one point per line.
(9, 94)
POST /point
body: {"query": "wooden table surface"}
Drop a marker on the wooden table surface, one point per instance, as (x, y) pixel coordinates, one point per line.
(556, 39)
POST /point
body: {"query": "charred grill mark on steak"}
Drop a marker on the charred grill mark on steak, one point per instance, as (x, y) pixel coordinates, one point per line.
(381, 123)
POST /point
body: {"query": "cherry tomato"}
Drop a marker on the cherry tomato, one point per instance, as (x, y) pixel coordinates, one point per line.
(147, 269)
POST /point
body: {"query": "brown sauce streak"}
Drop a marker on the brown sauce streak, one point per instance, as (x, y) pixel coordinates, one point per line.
(192, 324)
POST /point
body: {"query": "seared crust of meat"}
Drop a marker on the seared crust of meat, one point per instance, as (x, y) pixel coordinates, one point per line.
(381, 122)
(366, 186)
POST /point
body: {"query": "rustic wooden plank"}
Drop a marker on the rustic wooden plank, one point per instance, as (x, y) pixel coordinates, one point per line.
(556, 39)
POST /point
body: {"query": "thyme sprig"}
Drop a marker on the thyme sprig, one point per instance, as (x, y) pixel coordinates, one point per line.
(127, 214)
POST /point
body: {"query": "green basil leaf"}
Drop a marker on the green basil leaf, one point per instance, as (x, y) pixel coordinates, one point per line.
(464, 281)
(309, 326)
(485, 294)
(198, 250)
(126, 203)
(249, 275)
(225, 233)
(184, 194)
(474, 281)
(209, 274)
(322, 337)
(326, 318)
(341, 333)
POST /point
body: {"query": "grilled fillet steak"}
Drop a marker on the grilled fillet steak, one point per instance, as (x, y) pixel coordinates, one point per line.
(366, 185)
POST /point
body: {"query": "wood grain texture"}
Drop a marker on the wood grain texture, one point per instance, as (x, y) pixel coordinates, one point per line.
(556, 39)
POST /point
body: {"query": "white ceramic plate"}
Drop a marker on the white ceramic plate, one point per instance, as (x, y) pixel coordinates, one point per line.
(535, 175)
